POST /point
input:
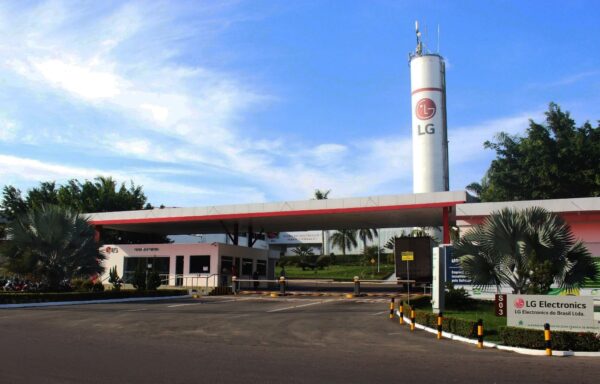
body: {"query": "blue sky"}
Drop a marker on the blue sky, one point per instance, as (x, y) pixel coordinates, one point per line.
(221, 102)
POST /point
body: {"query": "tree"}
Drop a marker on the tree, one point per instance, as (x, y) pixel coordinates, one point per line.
(303, 251)
(553, 160)
(322, 195)
(344, 239)
(115, 279)
(366, 234)
(52, 244)
(103, 194)
(516, 248)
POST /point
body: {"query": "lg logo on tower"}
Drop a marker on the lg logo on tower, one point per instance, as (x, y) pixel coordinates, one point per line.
(425, 109)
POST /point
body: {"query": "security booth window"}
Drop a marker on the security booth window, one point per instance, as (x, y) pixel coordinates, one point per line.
(159, 264)
(200, 264)
(261, 267)
(226, 265)
(247, 267)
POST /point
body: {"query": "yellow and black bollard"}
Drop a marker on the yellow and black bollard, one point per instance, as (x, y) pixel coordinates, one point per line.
(440, 317)
(412, 319)
(480, 333)
(548, 339)
(401, 310)
(392, 308)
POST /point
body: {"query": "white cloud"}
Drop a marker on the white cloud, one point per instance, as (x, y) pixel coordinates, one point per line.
(8, 130)
(466, 143)
(82, 79)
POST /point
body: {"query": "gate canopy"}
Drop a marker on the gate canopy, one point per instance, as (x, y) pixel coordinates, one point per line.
(389, 211)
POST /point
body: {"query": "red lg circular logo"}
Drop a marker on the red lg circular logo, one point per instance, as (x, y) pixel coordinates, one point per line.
(519, 303)
(425, 109)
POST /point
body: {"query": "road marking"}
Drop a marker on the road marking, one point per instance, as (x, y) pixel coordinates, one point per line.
(379, 313)
(237, 316)
(136, 310)
(229, 301)
(299, 306)
(182, 305)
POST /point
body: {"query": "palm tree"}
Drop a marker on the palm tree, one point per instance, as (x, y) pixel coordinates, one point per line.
(366, 234)
(52, 244)
(510, 245)
(322, 195)
(345, 239)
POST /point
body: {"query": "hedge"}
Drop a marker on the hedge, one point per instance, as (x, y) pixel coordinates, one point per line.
(32, 297)
(561, 340)
(465, 328)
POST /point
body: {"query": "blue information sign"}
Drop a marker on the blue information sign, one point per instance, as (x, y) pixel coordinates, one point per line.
(454, 273)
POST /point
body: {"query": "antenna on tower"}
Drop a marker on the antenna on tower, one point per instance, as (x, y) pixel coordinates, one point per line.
(419, 49)
(438, 42)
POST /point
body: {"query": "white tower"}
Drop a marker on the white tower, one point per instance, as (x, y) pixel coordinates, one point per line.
(429, 130)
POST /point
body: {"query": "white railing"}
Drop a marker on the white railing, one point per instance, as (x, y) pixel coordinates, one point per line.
(194, 281)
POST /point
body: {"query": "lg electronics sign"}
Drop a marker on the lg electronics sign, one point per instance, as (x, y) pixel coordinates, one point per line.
(425, 109)
(570, 313)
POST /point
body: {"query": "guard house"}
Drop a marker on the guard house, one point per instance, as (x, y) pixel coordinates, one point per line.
(190, 265)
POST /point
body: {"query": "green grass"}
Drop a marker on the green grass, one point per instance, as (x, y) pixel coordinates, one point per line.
(338, 272)
(485, 312)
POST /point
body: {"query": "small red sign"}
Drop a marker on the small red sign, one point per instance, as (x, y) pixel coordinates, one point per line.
(425, 109)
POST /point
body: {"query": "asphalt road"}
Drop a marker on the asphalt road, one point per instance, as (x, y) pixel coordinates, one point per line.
(252, 340)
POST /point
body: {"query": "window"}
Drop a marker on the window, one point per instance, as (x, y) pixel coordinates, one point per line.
(131, 264)
(261, 267)
(226, 265)
(247, 267)
(199, 264)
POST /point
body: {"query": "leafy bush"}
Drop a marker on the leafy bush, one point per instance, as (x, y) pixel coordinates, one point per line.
(77, 285)
(465, 328)
(458, 298)
(114, 279)
(153, 281)
(561, 340)
(323, 261)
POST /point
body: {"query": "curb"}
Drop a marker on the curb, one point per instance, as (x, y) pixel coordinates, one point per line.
(107, 301)
(487, 344)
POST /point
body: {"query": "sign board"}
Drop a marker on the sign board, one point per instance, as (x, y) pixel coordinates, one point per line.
(454, 272)
(408, 256)
(565, 313)
(438, 282)
(304, 237)
(500, 305)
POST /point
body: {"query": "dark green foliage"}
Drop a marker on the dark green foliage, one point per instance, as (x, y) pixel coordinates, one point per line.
(344, 239)
(114, 278)
(465, 328)
(554, 160)
(139, 277)
(323, 261)
(541, 277)
(100, 195)
(153, 281)
(561, 341)
(521, 249)
(18, 298)
(458, 298)
(53, 245)
(145, 279)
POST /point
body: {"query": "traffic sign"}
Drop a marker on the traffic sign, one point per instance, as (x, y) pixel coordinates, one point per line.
(408, 256)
